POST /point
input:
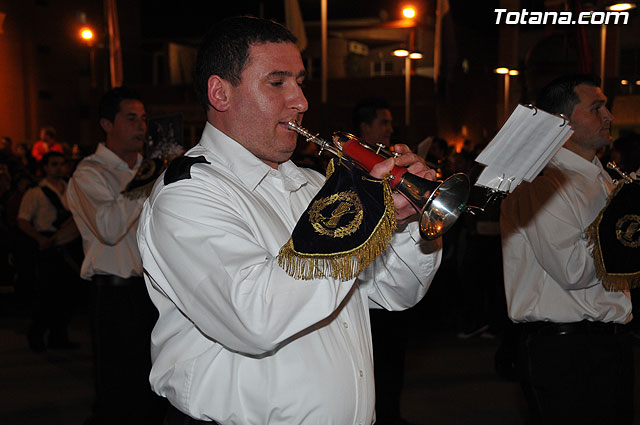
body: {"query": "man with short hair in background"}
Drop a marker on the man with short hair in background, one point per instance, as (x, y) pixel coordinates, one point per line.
(373, 122)
(123, 314)
(575, 357)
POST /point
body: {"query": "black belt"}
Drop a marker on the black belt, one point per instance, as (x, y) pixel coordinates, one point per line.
(176, 417)
(584, 327)
(113, 280)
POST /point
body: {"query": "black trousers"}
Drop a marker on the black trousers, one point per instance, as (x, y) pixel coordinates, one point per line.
(55, 296)
(389, 330)
(577, 373)
(123, 317)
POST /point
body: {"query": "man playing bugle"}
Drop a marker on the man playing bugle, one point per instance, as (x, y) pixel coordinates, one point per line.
(238, 339)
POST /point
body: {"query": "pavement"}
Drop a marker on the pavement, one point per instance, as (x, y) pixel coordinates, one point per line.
(448, 380)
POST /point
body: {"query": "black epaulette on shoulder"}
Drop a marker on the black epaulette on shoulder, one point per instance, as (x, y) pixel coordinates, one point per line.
(180, 168)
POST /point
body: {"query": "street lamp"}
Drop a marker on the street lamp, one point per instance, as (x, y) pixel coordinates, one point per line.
(507, 73)
(616, 7)
(621, 7)
(409, 12)
(89, 38)
(408, 56)
(401, 53)
(87, 35)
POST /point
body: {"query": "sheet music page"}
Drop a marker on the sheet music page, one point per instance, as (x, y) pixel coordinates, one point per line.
(522, 147)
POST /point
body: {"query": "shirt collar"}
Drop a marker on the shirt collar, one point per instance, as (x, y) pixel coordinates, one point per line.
(574, 162)
(109, 158)
(250, 170)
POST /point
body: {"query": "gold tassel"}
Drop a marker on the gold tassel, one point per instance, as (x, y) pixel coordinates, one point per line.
(342, 265)
(610, 281)
(330, 169)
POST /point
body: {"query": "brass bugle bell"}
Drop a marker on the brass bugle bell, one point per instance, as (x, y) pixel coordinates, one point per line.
(438, 211)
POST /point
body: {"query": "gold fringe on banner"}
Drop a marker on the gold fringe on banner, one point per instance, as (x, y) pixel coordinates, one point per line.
(347, 264)
(610, 281)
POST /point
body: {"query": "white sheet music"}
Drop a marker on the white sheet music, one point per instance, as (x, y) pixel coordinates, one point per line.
(522, 147)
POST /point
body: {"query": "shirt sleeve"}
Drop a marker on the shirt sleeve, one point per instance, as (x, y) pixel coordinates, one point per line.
(108, 214)
(544, 214)
(29, 205)
(401, 276)
(202, 254)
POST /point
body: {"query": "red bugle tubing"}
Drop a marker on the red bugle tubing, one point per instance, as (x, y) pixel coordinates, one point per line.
(367, 159)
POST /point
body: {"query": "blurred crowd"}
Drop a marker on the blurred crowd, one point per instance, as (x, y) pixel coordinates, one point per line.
(472, 263)
(37, 263)
(468, 291)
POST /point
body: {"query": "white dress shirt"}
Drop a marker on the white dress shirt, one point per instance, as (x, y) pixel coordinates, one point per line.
(549, 273)
(106, 219)
(38, 210)
(238, 340)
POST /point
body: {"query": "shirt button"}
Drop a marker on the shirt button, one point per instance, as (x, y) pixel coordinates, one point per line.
(346, 325)
(361, 373)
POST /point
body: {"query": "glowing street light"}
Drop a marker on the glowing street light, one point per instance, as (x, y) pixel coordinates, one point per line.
(87, 34)
(621, 7)
(401, 53)
(416, 55)
(409, 12)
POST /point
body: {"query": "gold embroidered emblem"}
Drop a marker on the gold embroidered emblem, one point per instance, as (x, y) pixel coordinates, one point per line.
(326, 214)
(628, 230)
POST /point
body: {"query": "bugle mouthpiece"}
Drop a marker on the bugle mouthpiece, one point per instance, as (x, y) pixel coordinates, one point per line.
(293, 125)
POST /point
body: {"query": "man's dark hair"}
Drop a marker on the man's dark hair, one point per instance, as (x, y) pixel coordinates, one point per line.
(224, 50)
(51, 154)
(366, 111)
(559, 96)
(110, 101)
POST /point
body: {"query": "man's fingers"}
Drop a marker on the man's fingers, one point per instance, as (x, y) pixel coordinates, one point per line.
(383, 168)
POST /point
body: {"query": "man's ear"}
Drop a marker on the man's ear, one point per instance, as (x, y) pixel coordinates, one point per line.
(218, 91)
(106, 125)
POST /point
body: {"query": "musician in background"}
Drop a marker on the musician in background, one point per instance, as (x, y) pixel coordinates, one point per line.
(626, 154)
(389, 329)
(122, 313)
(575, 357)
(372, 121)
(238, 340)
(44, 219)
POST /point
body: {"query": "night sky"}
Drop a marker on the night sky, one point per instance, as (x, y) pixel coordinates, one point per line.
(160, 19)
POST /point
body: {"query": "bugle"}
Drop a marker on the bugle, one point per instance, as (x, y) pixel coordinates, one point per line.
(438, 203)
